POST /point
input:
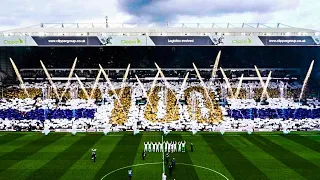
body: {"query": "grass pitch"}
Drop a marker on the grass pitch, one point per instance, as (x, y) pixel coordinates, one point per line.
(34, 156)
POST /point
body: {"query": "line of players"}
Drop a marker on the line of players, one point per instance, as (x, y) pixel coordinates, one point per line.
(172, 146)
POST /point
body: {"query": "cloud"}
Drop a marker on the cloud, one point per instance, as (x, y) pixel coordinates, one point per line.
(20, 13)
(170, 10)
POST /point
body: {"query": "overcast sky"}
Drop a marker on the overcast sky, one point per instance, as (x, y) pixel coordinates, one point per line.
(297, 13)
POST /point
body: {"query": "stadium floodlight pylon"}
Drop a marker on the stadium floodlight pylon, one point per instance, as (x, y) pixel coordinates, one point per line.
(202, 83)
(49, 79)
(184, 83)
(305, 82)
(82, 87)
(123, 84)
(264, 91)
(69, 78)
(152, 87)
(261, 80)
(19, 78)
(154, 83)
(144, 91)
(111, 86)
(95, 84)
(227, 82)
(215, 66)
(239, 87)
(167, 84)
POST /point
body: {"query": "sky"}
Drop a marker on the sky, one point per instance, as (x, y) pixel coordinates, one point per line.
(24, 13)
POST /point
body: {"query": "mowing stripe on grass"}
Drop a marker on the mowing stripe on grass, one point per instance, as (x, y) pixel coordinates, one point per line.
(305, 141)
(17, 143)
(23, 152)
(9, 137)
(315, 138)
(298, 149)
(273, 168)
(204, 156)
(181, 172)
(122, 155)
(85, 168)
(55, 168)
(293, 161)
(25, 167)
(233, 159)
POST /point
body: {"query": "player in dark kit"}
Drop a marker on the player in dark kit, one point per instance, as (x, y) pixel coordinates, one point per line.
(167, 158)
(191, 147)
(173, 163)
(144, 154)
(170, 169)
(93, 155)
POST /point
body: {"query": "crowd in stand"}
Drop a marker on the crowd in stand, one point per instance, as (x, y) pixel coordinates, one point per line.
(176, 107)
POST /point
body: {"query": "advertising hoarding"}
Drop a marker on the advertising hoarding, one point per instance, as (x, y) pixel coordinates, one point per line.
(17, 41)
(159, 41)
(181, 41)
(236, 41)
(123, 40)
(287, 40)
(61, 40)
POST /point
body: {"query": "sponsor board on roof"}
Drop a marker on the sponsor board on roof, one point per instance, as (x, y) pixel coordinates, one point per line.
(236, 41)
(17, 41)
(123, 40)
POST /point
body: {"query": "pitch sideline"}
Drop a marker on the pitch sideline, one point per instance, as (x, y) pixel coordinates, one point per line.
(135, 165)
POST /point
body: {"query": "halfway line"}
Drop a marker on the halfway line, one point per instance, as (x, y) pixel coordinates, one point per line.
(163, 169)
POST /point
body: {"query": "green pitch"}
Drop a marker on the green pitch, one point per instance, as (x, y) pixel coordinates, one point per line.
(34, 156)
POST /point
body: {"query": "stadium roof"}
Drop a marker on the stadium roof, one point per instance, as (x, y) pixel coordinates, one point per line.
(167, 29)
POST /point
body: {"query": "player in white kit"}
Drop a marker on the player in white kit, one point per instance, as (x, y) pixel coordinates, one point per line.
(149, 146)
(171, 146)
(145, 146)
(157, 147)
(175, 146)
(153, 147)
(166, 146)
(164, 177)
(179, 146)
(183, 146)
(161, 147)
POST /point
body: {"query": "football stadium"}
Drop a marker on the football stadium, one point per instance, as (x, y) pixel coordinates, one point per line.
(174, 101)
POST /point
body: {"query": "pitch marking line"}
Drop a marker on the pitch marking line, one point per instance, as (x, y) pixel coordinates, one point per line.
(221, 135)
(135, 165)
(163, 169)
(129, 167)
(184, 135)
